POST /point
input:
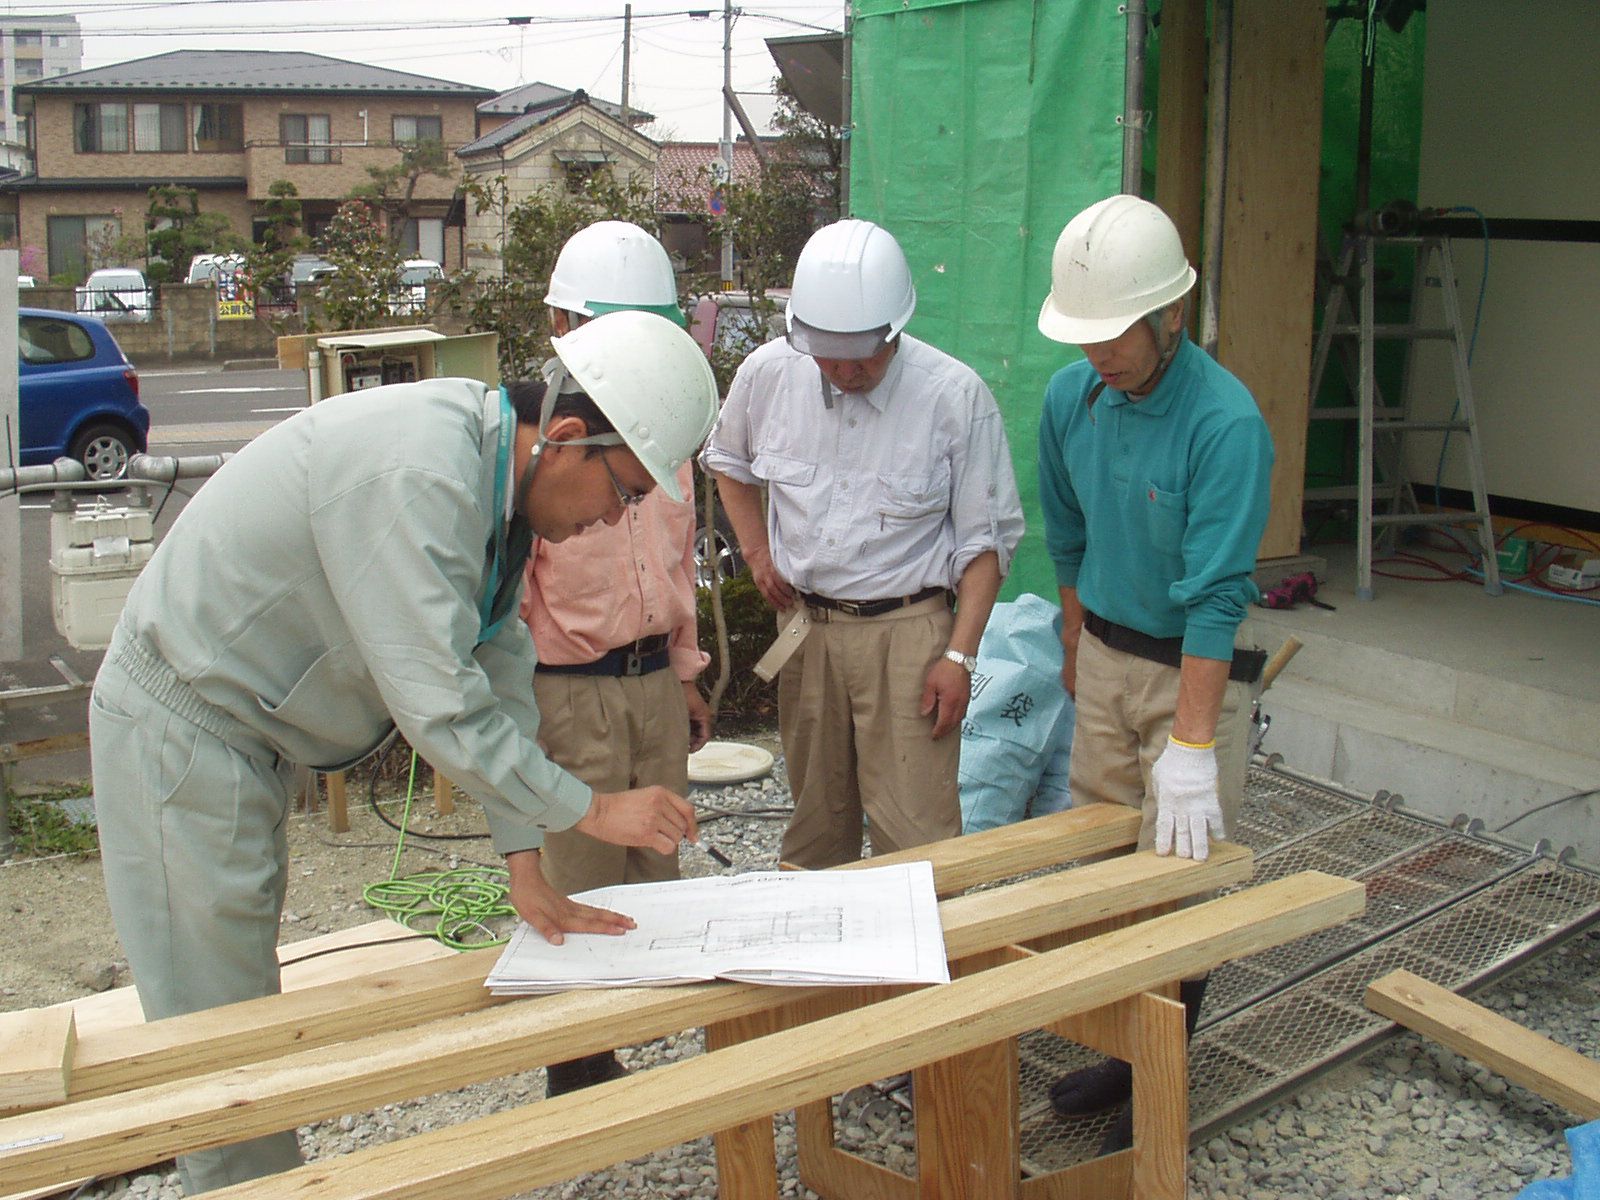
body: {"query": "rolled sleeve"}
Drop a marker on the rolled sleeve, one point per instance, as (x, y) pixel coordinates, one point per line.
(728, 450)
(985, 509)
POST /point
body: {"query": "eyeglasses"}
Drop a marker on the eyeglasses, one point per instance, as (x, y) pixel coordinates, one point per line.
(624, 497)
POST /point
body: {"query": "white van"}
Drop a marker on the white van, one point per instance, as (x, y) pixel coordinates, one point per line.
(116, 294)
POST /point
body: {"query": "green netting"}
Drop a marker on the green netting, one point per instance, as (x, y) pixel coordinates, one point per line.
(982, 126)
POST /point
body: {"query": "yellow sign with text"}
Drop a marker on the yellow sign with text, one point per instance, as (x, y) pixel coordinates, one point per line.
(241, 309)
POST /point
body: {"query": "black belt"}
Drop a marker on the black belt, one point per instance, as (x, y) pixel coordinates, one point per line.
(872, 608)
(1245, 668)
(644, 657)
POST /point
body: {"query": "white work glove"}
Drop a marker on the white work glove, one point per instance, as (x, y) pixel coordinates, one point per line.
(1185, 783)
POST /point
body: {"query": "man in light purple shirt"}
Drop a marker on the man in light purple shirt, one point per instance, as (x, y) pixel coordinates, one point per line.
(890, 495)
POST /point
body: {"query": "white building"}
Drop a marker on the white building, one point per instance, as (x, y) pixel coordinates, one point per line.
(34, 48)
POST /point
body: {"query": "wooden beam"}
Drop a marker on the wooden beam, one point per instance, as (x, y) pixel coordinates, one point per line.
(235, 1102)
(382, 945)
(980, 858)
(1269, 233)
(36, 1048)
(1560, 1075)
(1181, 121)
(256, 1030)
(513, 1151)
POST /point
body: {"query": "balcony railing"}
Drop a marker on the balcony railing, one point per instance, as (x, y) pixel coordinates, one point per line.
(313, 153)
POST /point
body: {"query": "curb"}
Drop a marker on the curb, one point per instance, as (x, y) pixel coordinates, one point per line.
(250, 364)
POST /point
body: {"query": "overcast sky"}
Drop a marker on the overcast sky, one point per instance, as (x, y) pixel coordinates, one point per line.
(676, 69)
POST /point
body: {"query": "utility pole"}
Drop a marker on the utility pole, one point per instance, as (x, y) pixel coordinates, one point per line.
(727, 132)
(627, 51)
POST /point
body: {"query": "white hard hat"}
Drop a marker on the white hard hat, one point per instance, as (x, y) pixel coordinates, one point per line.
(1115, 262)
(653, 383)
(611, 266)
(852, 292)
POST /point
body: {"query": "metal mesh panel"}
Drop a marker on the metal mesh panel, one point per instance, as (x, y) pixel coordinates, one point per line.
(1454, 908)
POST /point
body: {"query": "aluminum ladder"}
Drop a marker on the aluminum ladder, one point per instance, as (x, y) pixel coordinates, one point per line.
(1383, 426)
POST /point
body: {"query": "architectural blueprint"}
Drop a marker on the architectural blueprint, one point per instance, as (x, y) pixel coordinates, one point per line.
(875, 925)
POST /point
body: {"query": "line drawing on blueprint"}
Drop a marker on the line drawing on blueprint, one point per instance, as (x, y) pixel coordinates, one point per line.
(806, 926)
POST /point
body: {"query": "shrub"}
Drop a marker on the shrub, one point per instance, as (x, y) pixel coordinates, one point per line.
(748, 702)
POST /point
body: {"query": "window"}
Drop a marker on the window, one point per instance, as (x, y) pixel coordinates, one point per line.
(218, 127)
(30, 68)
(67, 241)
(52, 340)
(55, 39)
(410, 130)
(100, 128)
(305, 138)
(158, 128)
(422, 237)
(30, 37)
(8, 227)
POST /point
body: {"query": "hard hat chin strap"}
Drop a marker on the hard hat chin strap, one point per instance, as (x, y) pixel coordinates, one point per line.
(557, 380)
(1164, 360)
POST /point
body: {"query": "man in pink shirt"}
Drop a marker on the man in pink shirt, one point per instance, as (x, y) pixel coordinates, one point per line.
(612, 614)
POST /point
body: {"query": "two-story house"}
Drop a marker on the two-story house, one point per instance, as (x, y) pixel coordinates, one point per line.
(557, 140)
(230, 123)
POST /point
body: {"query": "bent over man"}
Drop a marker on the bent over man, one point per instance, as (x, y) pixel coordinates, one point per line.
(359, 566)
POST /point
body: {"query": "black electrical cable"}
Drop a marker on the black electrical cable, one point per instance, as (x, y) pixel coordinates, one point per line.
(377, 811)
(1547, 804)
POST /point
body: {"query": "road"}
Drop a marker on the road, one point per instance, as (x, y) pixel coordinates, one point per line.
(195, 411)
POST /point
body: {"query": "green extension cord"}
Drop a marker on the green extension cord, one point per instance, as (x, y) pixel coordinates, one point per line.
(459, 903)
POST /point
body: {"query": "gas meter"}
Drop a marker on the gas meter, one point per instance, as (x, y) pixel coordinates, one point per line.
(96, 552)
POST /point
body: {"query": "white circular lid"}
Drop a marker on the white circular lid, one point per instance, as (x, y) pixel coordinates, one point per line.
(728, 762)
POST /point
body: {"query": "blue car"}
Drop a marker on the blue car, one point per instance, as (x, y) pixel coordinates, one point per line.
(78, 394)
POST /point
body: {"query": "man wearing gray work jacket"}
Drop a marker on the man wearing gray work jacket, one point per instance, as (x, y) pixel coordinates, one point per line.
(890, 495)
(357, 567)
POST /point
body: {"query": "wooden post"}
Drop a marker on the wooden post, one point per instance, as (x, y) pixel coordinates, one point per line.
(1269, 234)
(1180, 122)
(442, 799)
(338, 814)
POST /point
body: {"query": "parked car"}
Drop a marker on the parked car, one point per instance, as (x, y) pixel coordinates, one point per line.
(78, 395)
(214, 268)
(412, 294)
(309, 269)
(116, 294)
(736, 322)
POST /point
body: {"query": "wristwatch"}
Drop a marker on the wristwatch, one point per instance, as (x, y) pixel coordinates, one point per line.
(964, 660)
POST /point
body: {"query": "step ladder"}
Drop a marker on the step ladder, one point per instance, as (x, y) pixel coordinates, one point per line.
(1383, 426)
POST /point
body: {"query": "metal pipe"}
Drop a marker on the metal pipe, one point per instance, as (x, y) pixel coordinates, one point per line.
(1132, 119)
(63, 470)
(1218, 70)
(845, 119)
(154, 468)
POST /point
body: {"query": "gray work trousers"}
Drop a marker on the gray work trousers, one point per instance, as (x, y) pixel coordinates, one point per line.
(192, 810)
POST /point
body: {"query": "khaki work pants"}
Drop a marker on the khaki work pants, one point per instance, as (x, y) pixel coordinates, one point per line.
(1125, 707)
(614, 733)
(855, 742)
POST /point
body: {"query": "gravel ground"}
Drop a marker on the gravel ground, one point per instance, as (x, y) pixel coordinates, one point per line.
(1410, 1120)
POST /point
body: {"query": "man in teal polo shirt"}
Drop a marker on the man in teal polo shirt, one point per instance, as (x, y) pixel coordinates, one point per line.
(1154, 477)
